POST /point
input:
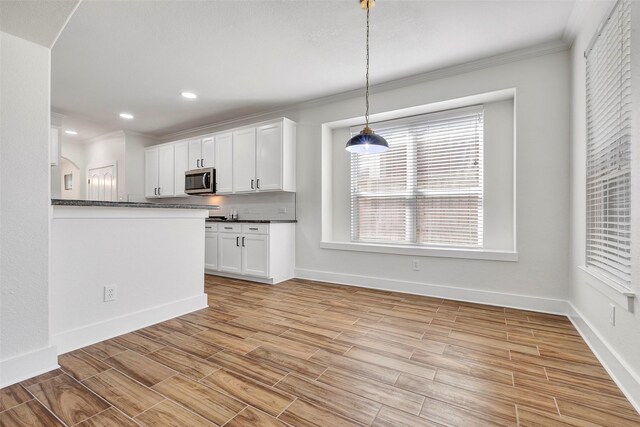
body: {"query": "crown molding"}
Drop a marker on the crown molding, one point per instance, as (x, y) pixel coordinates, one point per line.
(480, 64)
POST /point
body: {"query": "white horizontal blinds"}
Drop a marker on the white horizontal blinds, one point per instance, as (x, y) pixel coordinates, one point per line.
(427, 189)
(608, 240)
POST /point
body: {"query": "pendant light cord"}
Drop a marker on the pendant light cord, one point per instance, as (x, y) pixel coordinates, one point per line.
(367, 75)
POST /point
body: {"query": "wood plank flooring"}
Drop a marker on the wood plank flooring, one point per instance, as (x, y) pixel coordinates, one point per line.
(309, 354)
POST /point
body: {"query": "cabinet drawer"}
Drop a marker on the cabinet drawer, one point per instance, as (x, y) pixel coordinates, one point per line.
(210, 228)
(255, 228)
(230, 228)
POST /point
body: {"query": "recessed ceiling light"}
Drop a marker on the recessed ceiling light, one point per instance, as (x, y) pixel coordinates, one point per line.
(126, 116)
(189, 95)
(71, 132)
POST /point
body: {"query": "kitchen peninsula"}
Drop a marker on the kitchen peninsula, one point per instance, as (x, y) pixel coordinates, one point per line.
(117, 267)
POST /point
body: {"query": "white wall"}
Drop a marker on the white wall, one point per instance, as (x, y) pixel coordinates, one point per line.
(590, 302)
(105, 150)
(154, 256)
(24, 210)
(76, 153)
(135, 144)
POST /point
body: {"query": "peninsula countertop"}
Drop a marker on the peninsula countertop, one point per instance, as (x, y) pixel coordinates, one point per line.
(95, 203)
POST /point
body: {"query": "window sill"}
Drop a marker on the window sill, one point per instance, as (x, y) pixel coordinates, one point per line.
(612, 290)
(480, 254)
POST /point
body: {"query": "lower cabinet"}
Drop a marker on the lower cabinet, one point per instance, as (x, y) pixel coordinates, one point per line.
(261, 251)
(211, 247)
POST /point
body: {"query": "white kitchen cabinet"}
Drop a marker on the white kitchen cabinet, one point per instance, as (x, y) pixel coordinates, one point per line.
(211, 246)
(244, 160)
(229, 253)
(264, 157)
(201, 153)
(255, 255)
(223, 165)
(181, 165)
(159, 172)
(151, 174)
(259, 252)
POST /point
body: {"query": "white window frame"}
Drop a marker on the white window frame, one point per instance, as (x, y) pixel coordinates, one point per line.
(440, 249)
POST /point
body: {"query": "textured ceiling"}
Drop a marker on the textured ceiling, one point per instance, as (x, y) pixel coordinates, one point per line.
(243, 57)
(39, 21)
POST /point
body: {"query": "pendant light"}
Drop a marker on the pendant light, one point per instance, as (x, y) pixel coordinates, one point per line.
(367, 141)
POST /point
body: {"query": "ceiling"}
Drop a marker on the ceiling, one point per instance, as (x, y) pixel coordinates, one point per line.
(245, 57)
(39, 21)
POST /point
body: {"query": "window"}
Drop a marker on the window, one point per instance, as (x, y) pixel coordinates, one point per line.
(608, 234)
(427, 188)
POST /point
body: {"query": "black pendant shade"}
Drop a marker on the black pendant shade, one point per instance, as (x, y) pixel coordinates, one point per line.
(367, 142)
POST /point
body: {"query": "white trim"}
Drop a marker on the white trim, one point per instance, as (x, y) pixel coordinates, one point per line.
(90, 334)
(524, 302)
(239, 276)
(28, 365)
(622, 374)
(489, 62)
(612, 290)
(482, 254)
(125, 212)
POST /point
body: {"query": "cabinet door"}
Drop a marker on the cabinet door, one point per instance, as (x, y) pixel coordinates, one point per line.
(181, 165)
(166, 178)
(269, 157)
(223, 162)
(244, 160)
(195, 154)
(208, 158)
(229, 253)
(255, 255)
(151, 172)
(210, 250)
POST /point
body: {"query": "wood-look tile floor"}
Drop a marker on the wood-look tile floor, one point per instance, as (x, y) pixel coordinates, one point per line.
(309, 354)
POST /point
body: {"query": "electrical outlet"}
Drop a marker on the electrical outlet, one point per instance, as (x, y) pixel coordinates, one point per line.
(416, 265)
(612, 314)
(282, 210)
(110, 293)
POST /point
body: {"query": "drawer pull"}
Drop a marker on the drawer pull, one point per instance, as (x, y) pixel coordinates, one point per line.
(209, 227)
(253, 228)
(228, 228)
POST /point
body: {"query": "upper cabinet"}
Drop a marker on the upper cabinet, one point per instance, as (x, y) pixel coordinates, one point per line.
(201, 153)
(264, 157)
(250, 159)
(159, 171)
(224, 163)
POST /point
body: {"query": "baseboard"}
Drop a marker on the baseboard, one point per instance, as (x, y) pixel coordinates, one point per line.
(25, 366)
(625, 377)
(81, 337)
(239, 276)
(524, 302)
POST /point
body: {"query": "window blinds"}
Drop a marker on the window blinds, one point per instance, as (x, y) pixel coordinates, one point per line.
(608, 234)
(427, 188)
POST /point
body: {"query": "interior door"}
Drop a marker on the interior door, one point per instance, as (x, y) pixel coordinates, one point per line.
(244, 160)
(255, 255)
(195, 154)
(269, 157)
(229, 253)
(223, 163)
(208, 151)
(102, 184)
(181, 165)
(151, 173)
(165, 171)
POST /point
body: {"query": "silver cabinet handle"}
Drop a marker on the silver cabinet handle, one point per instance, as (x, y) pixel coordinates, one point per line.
(243, 241)
(198, 162)
(158, 191)
(208, 227)
(252, 184)
(201, 162)
(258, 183)
(238, 241)
(253, 229)
(155, 191)
(228, 228)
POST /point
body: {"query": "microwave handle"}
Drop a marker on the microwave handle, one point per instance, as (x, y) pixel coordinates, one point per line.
(204, 180)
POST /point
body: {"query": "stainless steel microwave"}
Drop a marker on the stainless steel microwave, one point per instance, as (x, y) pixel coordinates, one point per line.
(200, 181)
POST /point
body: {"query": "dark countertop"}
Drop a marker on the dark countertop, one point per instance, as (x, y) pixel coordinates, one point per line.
(253, 221)
(66, 202)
